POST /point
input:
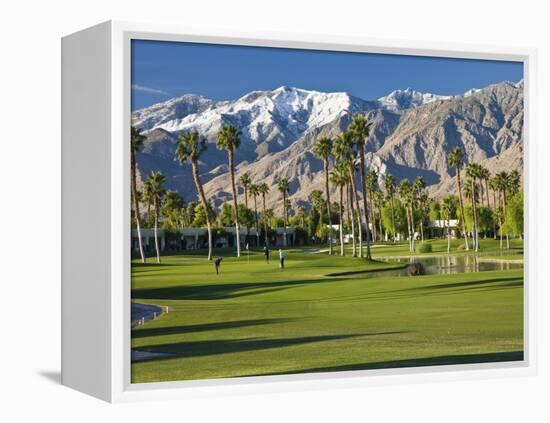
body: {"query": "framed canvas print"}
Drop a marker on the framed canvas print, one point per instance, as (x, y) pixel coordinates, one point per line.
(249, 212)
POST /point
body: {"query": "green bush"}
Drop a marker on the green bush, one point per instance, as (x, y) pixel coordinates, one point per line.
(425, 248)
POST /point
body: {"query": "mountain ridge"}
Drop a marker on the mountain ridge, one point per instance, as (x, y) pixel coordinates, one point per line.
(410, 136)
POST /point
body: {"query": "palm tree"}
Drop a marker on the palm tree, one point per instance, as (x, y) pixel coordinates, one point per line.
(157, 180)
(379, 200)
(370, 182)
(229, 139)
(406, 194)
(283, 187)
(245, 182)
(301, 214)
(418, 188)
(322, 149)
(136, 141)
(190, 146)
(456, 159)
(264, 189)
(389, 184)
(146, 197)
(484, 176)
(345, 156)
(360, 130)
(447, 209)
(339, 179)
(255, 191)
(502, 183)
(472, 172)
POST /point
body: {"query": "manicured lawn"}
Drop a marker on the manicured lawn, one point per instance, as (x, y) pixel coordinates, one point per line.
(257, 319)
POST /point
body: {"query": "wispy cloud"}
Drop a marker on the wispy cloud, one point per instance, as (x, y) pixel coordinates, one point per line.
(148, 89)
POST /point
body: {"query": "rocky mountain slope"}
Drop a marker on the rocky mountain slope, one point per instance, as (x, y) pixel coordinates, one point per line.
(412, 134)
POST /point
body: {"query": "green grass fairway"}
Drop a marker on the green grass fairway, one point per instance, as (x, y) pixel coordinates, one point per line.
(257, 319)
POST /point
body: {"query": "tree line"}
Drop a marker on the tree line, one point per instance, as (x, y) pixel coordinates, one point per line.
(365, 209)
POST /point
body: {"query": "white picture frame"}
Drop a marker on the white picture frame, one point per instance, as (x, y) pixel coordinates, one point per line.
(95, 155)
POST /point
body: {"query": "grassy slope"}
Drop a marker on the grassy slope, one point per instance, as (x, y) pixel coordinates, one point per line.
(258, 319)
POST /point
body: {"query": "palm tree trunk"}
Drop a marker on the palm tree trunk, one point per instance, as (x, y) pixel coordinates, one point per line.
(136, 206)
(265, 220)
(284, 219)
(352, 220)
(462, 207)
(504, 217)
(327, 189)
(359, 222)
(372, 218)
(380, 219)
(412, 229)
(409, 226)
(474, 211)
(256, 222)
(156, 229)
(342, 249)
(364, 189)
(195, 171)
(448, 234)
(392, 218)
(235, 205)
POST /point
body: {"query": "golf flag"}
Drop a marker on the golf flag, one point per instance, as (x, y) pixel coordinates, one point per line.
(246, 246)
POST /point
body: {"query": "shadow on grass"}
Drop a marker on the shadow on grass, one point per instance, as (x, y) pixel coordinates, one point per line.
(514, 281)
(415, 362)
(220, 291)
(213, 347)
(174, 330)
(358, 272)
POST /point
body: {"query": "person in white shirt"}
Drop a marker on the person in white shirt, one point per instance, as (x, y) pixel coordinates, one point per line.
(281, 259)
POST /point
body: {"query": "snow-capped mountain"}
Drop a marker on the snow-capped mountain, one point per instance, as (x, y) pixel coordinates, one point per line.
(277, 117)
(411, 135)
(408, 98)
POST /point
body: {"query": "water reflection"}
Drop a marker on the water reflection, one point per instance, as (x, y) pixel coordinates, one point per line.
(447, 264)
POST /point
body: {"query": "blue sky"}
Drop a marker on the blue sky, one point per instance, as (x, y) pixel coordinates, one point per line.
(162, 70)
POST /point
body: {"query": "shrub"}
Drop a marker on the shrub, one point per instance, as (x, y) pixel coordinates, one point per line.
(425, 248)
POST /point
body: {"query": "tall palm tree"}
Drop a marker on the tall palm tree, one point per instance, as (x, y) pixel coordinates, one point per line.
(360, 130)
(136, 142)
(370, 181)
(255, 191)
(345, 156)
(229, 139)
(322, 149)
(406, 194)
(389, 185)
(264, 189)
(245, 182)
(502, 183)
(339, 179)
(472, 172)
(456, 159)
(190, 146)
(419, 185)
(157, 180)
(283, 187)
(379, 200)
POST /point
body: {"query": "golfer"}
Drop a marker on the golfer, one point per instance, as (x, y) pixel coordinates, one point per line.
(281, 259)
(266, 254)
(217, 264)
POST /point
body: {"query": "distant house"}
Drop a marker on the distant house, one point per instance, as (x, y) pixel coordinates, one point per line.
(438, 228)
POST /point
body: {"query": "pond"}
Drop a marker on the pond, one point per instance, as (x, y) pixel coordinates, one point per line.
(441, 265)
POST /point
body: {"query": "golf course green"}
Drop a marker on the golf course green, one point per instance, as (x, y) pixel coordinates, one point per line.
(321, 313)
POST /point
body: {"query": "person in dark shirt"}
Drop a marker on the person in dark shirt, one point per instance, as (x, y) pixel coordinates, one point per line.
(217, 264)
(266, 254)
